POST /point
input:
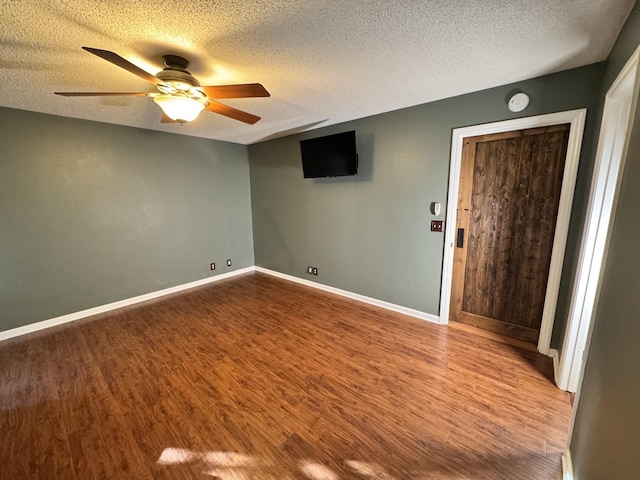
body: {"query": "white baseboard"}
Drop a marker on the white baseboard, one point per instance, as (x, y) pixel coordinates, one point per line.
(567, 466)
(71, 317)
(354, 296)
(555, 355)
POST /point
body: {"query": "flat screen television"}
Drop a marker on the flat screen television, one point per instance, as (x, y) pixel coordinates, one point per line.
(330, 156)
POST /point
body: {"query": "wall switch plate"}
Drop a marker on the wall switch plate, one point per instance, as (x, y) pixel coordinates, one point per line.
(436, 225)
(310, 270)
(228, 262)
(212, 266)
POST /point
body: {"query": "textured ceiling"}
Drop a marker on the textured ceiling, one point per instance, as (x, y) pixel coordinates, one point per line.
(323, 62)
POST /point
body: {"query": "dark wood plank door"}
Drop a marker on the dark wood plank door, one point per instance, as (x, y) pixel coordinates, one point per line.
(510, 187)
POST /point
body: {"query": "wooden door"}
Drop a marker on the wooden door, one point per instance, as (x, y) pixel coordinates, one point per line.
(510, 187)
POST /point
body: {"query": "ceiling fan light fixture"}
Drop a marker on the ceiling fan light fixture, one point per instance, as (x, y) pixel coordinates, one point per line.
(181, 97)
(179, 108)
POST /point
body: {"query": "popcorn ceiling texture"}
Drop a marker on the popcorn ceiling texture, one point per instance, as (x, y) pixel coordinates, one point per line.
(324, 62)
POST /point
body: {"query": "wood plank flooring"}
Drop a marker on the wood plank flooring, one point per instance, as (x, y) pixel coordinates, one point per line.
(258, 378)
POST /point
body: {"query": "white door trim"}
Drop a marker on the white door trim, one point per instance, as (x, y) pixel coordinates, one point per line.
(574, 117)
(617, 121)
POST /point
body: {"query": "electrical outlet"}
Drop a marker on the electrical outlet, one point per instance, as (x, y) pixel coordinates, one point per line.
(315, 271)
(212, 266)
(228, 262)
(436, 225)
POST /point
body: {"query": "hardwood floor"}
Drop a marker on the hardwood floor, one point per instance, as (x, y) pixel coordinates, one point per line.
(258, 378)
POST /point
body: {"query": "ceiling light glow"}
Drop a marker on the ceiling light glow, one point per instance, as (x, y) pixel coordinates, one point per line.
(179, 107)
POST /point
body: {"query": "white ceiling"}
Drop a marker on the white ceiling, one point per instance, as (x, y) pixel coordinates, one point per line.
(323, 61)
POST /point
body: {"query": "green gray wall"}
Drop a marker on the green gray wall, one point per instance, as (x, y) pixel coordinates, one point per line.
(370, 234)
(92, 213)
(606, 436)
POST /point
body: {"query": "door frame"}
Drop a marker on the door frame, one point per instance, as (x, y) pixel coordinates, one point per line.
(576, 118)
(617, 120)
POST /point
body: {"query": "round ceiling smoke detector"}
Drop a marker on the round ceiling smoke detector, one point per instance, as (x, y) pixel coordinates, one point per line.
(518, 102)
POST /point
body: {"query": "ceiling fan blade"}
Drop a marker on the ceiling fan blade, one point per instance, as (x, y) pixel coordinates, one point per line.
(247, 90)
(167, 119)
(231, 112)
(126, 64)
(105, 94)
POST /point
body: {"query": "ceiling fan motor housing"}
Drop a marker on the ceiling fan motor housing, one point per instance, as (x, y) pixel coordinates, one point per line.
(176, 74)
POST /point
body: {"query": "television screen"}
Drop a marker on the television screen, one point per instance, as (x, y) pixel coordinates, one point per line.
(330, 156)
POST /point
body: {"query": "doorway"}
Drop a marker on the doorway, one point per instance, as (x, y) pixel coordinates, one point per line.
(508, 198)
(617, 120)
(575, 119)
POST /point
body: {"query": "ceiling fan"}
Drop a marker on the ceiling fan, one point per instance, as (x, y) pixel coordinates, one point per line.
(180, 95)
